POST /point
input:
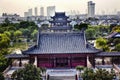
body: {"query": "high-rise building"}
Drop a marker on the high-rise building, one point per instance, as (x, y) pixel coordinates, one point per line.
(36, 11)
(118, 13)
(91, 9)
(41, 11)
(30, 12)
(50, 11)
(26, 14)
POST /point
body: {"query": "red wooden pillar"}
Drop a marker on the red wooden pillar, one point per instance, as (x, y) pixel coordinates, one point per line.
(20, 63)
(85, 61)
(76, 78)
(10, 60)
(93, 61)
(54, 62)
(103, 62)
(112, 60)
(48, 77)
(69, 63)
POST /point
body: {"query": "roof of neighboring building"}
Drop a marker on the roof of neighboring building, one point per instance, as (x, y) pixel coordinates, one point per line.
(16, 56)
(108, 54)
(60, 21)
(60, 14)
(114, 35)
(61, 28)
(61, 42)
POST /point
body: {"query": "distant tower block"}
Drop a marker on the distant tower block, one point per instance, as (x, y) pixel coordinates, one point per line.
(41, 11)
(30, 12)
(36, 11)
(91, 9)
(26, 14)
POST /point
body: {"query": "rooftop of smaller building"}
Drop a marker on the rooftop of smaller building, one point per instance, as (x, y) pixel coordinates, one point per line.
(59, 14)
(114, 35)
(108, 54)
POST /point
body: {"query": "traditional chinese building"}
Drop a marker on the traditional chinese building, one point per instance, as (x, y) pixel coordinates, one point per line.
(62, 47)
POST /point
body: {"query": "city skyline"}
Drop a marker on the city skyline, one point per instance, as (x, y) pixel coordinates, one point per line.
(19, 7)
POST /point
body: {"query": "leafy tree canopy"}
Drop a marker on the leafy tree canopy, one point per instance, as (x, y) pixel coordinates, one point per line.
(81, 26)
(1, 77)
(79, 68)
(90, 33)
(4, 41)
(101, 42)
(99, 74)
(17, 33)
(117, 47)
(116, 29)
(30, 72)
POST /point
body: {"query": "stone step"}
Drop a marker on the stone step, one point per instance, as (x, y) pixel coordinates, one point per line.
(62, 78)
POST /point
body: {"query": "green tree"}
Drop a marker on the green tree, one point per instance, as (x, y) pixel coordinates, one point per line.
(102, 74)
(17, 33)
(7, 33)
(88, 74)
(27, 24)
(101, 43)
(4, 41)
(1, 77)
(117, 47)
(104, 29)
(99, 74)
(90, 33)
(4, 44)
(81, 26)
(25, 32)
(3, 62)
(116, 41)
(7, 21)
(34, 33)
(79, 68)
(116, 29)
(24, 24)
(30, 72)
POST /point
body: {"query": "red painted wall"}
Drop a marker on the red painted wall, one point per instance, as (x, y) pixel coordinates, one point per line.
(47, 60)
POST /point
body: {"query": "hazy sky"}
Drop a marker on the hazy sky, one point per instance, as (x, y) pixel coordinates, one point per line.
(20, 6)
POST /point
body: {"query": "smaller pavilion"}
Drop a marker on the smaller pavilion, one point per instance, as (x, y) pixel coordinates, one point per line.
(60, 19)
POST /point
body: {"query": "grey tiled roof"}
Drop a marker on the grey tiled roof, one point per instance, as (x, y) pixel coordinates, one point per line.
(114, 35)
(16, 56)
(108, 54)
(63, 42)
(61, 28)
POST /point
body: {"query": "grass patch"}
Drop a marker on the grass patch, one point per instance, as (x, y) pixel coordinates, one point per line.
(19, 45)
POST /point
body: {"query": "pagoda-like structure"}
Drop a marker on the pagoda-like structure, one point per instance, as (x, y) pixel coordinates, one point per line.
(60, 19)
(60, 23)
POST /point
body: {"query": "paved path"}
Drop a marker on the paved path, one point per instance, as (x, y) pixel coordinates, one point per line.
(61, 74)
